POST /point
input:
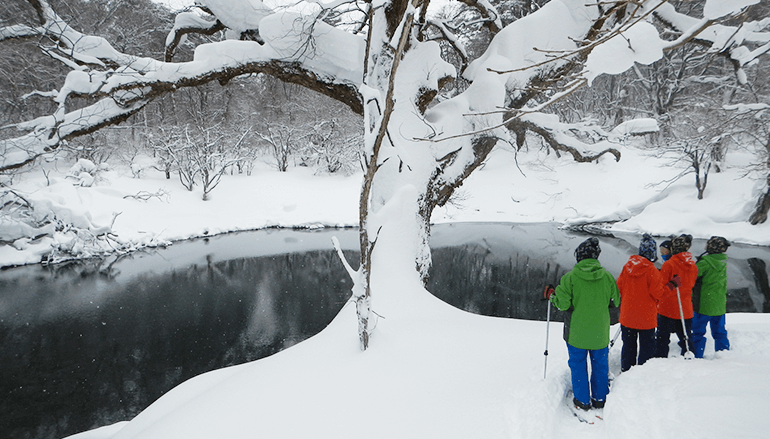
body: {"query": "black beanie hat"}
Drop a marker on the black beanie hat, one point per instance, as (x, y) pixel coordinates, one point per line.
(717, 244)
(680, 244)
(588, 249)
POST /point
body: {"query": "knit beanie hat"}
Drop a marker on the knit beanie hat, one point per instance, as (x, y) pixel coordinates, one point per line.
(717, 244)
(647, 248)
(688, 240)
(680, 244)
(588, 249)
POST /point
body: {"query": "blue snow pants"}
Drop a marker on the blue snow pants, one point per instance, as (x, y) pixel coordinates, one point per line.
(647, 346)
(718, 331)
(578, 365)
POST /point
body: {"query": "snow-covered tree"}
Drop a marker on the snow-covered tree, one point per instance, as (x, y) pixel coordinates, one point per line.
(385, 60)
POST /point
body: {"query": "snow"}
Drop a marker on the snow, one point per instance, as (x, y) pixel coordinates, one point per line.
(719, 8)
(239, 16)
(637, 126)
(638, 44)
(432, 370)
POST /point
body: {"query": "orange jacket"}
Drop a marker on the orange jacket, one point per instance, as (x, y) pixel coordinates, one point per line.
(641, 287)
(683, 265)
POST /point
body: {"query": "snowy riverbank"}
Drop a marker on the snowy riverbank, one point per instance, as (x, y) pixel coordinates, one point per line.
(630, 196)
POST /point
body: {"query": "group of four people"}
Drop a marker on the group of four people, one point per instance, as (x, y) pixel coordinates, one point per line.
(654, 303)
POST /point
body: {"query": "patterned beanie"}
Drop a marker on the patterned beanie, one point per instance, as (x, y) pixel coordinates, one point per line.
(717, 244)
(680, 244)
(588, 249)
(688, 240)
(647, 248)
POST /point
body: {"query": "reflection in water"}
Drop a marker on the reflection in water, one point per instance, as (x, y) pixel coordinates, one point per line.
(99, 361)
(759, 269)
(88, 344)
(466, 278)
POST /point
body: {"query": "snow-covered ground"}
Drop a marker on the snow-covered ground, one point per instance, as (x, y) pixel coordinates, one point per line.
(434, 371)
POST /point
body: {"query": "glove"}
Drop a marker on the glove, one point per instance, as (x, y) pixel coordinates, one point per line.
(548, 291)
(674, 283)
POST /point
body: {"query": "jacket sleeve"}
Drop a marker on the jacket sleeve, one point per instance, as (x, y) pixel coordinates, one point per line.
(621, 281)
(614, 291)
(656, 284)
(562, 299)
(664, 276)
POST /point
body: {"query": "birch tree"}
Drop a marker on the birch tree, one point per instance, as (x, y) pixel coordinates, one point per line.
(385, 59)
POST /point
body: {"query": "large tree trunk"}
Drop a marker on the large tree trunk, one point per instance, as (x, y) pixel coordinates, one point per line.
(763, 207)
(763, 203)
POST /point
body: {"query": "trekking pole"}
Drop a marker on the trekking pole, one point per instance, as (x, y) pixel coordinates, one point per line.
(688, 355)
(615, 337)
(547, 330)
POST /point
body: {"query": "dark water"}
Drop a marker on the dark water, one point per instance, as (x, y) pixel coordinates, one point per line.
(500, 269)
(89, 344)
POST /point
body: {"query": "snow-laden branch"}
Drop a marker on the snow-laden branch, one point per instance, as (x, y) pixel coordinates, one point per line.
(554, 133)
(187, 23)
(123, 84)
(746, 108)
(450, 36)
(19, 31)
(489, 13)
(727, 40)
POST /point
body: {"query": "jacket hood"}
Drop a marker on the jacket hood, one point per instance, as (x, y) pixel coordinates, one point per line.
(637, 266)
(683, 258)
(589, 269)
(717, 260)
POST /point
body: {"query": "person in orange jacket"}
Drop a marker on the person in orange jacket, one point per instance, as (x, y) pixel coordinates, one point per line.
(679, 272)
(641, 288)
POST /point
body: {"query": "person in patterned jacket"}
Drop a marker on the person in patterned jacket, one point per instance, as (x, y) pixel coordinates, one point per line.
(640, 288)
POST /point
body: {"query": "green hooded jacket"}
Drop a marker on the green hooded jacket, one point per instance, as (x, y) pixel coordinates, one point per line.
(711, 298)
(586, 293)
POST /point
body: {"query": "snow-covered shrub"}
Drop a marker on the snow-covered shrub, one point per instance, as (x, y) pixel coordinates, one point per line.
(141, 163)
(84, 172)
(58, 232)
(331, 149)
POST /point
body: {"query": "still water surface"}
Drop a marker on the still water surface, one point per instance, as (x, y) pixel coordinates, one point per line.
(89, 344)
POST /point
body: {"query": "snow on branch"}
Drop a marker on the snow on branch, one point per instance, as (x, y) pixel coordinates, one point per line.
(122, 84)
(450, 37)
(731, 41)
(19, 31)
(489, 13)
(555, 134)
(746, 108)
(187, 23)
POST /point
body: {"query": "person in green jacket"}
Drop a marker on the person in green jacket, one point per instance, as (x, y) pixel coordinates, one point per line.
(709, 297)
(586, 293)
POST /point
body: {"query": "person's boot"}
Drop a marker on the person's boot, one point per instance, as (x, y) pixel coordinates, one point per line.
(580, 405)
